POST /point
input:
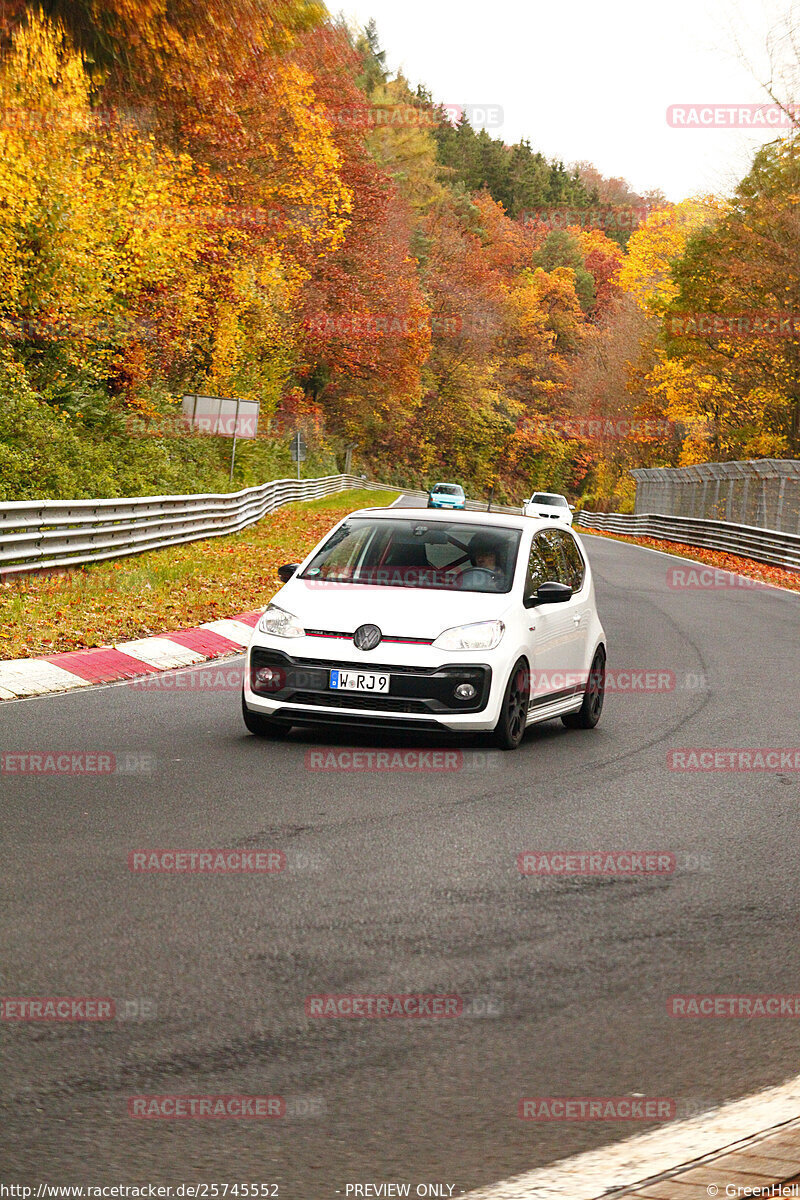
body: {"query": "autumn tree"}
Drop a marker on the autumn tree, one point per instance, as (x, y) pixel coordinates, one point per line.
(365, 320)
(743, 269)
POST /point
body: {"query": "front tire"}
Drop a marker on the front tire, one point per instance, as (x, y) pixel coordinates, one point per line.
(261, 726)
(510, 728)
(589, 712)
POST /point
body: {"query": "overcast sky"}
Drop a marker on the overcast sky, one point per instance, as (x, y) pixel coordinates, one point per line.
(587, 79)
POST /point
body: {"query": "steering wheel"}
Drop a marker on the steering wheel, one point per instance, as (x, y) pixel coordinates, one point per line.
(477, 576)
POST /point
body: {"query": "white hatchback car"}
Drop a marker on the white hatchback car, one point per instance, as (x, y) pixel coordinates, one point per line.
(423, 620)
(550, 505)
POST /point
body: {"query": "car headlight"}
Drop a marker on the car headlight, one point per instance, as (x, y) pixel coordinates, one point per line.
(280, 623)
(483, 635)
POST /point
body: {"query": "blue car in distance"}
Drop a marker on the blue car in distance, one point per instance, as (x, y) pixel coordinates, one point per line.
(447, 495)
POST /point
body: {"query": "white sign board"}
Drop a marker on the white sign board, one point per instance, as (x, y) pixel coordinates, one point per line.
(222, 415)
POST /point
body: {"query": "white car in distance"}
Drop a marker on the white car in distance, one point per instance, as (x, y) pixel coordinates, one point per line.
(423, 620)
(549, 505)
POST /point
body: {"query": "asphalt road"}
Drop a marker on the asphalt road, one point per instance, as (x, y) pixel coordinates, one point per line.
(402, 883)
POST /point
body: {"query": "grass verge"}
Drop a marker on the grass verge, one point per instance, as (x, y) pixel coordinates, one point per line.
(749, 567)
(181, 586)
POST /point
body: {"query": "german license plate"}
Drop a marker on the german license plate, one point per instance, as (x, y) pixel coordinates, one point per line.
(359, 681)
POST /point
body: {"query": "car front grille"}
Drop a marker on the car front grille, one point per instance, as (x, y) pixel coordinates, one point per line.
(395, 722)
(412, 689)
(360, 701)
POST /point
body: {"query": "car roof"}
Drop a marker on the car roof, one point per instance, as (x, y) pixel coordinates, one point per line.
(459, 517)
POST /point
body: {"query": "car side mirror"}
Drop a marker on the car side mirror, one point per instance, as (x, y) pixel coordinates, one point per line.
(549, 593)
(286, 572)
(572, 508)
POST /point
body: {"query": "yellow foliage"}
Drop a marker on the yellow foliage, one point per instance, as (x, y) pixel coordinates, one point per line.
(88, 223)
(652, 249)
(595, 239)
(307, 163)
(252, 328)
(717, 418)
(112, 250)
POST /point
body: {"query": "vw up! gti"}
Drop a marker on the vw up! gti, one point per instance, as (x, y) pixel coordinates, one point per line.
(422, 620)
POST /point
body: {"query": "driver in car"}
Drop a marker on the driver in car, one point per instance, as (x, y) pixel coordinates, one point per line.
(483, 554)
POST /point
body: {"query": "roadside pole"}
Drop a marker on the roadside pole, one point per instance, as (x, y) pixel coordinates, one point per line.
(233, 447)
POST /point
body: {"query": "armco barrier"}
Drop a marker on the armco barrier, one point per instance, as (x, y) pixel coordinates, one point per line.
(41, 534)
(37, 534)
(763, 545)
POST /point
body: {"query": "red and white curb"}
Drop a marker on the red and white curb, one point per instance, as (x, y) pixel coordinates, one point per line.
(21, 677)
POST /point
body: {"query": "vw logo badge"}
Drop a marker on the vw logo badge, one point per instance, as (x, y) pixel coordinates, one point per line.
(367, 637)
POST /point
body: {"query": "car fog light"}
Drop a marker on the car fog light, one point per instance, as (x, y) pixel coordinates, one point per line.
(465, 691)
(267, 678)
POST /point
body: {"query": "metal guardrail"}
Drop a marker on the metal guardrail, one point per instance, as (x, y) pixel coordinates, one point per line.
(764, 545)
(43, 534)
(38, 534)
(471, 505)
(481, 506)
(761, 492)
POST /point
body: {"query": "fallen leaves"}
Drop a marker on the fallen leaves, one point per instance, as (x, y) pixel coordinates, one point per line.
(169, 589)
(764, 572)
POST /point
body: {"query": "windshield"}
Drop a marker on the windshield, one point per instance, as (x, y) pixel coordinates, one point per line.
(418, 554)
(449, 489)
(549, 498)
